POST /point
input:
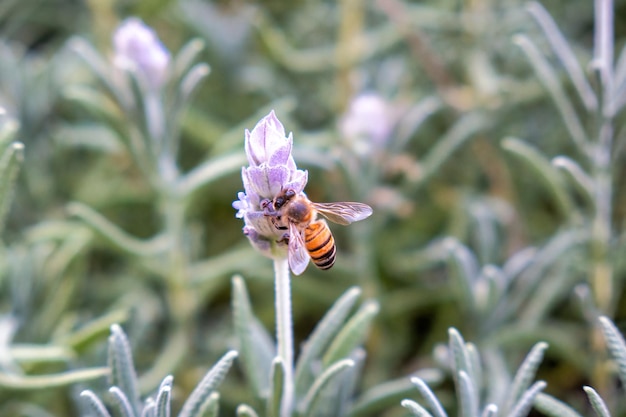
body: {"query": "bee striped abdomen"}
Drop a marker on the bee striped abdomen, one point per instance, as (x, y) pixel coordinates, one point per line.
(320, 244)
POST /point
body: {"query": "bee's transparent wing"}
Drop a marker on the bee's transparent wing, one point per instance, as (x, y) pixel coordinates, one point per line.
(298, 255)
(344, 212)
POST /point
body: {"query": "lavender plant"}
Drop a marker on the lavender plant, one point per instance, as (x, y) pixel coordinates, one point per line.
(505, 396)
(124, 387)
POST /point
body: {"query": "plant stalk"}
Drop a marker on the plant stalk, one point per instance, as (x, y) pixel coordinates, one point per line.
(284, 330)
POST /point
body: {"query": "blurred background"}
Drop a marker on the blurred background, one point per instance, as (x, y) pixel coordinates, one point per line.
(428, 111)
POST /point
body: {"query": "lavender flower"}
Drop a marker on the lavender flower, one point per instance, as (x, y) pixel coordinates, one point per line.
(368, 123)
(138, 49)
(271, 170)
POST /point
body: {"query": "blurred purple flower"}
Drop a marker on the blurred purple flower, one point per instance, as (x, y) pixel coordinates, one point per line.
(368, 123)
(138, 49)
(272, 169)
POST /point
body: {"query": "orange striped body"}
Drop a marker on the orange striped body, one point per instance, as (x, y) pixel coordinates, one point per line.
(320, 244)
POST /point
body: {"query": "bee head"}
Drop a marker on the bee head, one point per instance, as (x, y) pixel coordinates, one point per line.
(280, 200)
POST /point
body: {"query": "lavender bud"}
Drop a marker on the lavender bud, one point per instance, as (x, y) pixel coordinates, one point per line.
(138, 49)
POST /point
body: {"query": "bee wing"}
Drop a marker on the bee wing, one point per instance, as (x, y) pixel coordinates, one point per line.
(298, 255)
(344, 212)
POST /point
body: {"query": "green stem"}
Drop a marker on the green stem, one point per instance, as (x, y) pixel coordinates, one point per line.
(284, 330)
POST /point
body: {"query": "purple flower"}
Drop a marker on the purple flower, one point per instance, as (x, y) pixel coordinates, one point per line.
(138, 49)
(271, 170)
(368, 123)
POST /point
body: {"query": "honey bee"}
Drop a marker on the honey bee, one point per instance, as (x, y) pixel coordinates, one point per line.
(307, 236)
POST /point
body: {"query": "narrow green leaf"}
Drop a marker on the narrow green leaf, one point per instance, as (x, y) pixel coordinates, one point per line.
(210, 171)
(253, 349)
(476, 370)
(415, 409)
(598, 404)
(149, 408)
(460, 356)
(123, 374)
(524, 376)
(577, 176)
(352, 334)
(163, 399)
(617, 346)
(245, 410)
(490, 411)
(10, 162)
(192, 79)
(115, 235)
(380, 397)
(186, 56)
(552, 407)
(208, 384)
(544, 170)
(522, 408)
(462, 130)
(309, 403)
(468, 395)
(211, 407)
(122, 402)
(429, 396)
(94, 404)
(277, 385)
(565, 54)
(324, 331)
(463, 266)
(35, 382)
(550, 80)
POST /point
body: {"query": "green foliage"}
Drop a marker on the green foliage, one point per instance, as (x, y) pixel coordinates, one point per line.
(493, 159)
(123, 391)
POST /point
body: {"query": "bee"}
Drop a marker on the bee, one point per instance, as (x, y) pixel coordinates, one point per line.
(308, 237)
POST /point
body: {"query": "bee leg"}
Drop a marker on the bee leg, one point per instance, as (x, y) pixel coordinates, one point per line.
(284, 239)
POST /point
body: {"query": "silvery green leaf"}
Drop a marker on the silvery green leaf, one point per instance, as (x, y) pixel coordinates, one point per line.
(210, 408)
(123, 404)
(381, 397)
(544, 170)
(463, 129)
(490, 411)
(467, 394)
(94, 404)
(47, 381)
(524, 376)
(598, 404)
(149, 408)
(210, 171)
(123, 376)
(463, 266)
(412, 120)
(192, 79)
(277, 386)
(522, 408)
(98, 65)
(163, 399)
(245, 410)
(329, 376)
(550, 80)
(552, 407)
(209, 383)
(429, 396)
(117, 236)
(256, 355)
(616, 345)
(582, 181)
(10, 161)
(565, 54)
(460, 356)
(415, 409)
(352, 334)
(186, 56)
(321, 336)
(350, 382)
(476, 368)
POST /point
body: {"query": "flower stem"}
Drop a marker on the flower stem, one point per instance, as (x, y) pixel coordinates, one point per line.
(284, 330)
